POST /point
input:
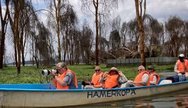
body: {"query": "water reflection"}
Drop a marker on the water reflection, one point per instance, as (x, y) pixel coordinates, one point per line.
(171, 100)
(182, 101)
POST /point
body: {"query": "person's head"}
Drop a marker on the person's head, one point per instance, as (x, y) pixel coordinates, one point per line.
(181, 57)
(113, 71)
(97, 68)
(141, 68)
(61, 67)
(151, 68)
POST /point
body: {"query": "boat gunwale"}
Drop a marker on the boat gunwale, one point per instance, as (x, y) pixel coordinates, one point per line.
(80, 90)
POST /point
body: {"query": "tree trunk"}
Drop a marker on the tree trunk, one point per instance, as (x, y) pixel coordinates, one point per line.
(141, 33)
(3, 32)
(2, 40)
(18, 48)
(16, 35)
(22, 48)
(57, 12)
(96, 4)
(2, 48)
(23, 58)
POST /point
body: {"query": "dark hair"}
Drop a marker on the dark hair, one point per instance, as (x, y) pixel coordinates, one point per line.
(151, 67)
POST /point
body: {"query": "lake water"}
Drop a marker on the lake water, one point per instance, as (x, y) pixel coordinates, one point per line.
(171, 100)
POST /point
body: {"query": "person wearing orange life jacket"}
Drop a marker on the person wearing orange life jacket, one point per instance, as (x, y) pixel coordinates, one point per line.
(113, 78)
(96, 81)
(66, 79)
(97, 77)
(142, 78)
(181, 67)
(153, 76)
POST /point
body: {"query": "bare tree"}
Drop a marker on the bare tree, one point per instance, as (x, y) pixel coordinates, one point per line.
(42, 45)
(101, 7)
(175, 29)
(86, 43)
(26, 23)
(186, 38)
(4, 22)
(139, 14)
(20, 21)
(114, 40)
(18, 6)
(133, 35)
(96, 6)
(55, 16)
(77, 46)
(153, 33)
(68, 25)
(116, 23)
(123, 32)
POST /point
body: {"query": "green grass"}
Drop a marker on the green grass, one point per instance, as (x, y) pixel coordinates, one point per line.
(30, 74)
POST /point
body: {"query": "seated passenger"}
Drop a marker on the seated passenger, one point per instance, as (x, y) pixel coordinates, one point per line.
(96, 79)
(153, 76)
(141, 78)
(181, 68)
(113, 78)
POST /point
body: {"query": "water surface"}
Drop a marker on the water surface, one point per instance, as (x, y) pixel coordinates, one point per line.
(171, 100)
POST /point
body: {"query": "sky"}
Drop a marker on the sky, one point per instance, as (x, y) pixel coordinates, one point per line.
(159, 9)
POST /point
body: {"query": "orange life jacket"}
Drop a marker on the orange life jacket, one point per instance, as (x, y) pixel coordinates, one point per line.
(182, 66)
(138, 78)
(96, 79)
(111, 81)
(152, 75)
(62, 76)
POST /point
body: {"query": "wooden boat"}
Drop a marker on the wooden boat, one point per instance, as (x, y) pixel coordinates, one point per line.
(45, 95)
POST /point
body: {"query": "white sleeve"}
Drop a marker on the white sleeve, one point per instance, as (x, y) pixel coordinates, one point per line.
(176, 67)
(145, 78)
(154, 80)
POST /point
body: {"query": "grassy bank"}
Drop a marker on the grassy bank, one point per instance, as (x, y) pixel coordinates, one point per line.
(30, 74)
